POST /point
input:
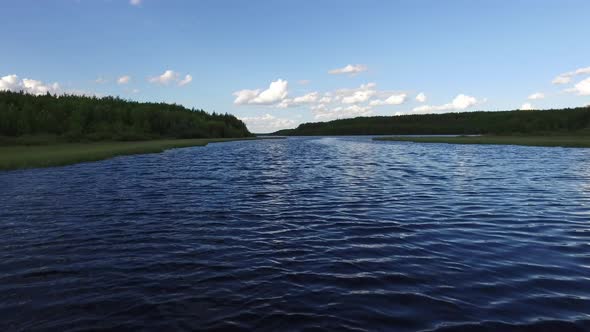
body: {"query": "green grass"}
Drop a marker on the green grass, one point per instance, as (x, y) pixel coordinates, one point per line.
(19, 156)
(563, 141)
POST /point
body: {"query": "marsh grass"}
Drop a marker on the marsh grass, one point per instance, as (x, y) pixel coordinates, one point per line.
(22, 156)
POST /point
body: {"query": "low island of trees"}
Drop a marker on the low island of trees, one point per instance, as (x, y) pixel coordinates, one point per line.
(74, 118)
(571, 121)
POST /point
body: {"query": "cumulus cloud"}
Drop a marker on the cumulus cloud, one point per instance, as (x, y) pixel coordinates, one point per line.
(421, 97)
(567, 77)
(276, 92)
(170, 76)
(395, 99)
(306, 99)
(186, 80)
(349, 69)
(536, 95)
(309, 98)
(355, 96)
(267, 123)
(582, 88)
(324, 113)
(35, 87)
(9, 82)
(135, 2)
(526, 107)
(124, 79)
(461, 102)
(245, 96)
(166, 78)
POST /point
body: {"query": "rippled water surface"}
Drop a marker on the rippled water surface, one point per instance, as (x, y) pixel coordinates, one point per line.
(301, 234)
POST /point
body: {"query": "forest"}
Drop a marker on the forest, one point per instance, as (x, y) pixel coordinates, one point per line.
(547, 122)
(75, 118)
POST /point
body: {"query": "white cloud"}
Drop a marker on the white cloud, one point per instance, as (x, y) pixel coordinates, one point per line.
(267, 123)
(304, 82)
(567, 77)
(526, 107)
(324, 113)
(124, 79)
(35, 87)
(395, 99)
(38, 88)
(187, 79)
(245, 96)
(355, 96)
(306, 99)
(309, 98)
(421, 97)
(461, 102)
(349, 69)
(166, 78)
(100, 80)
(561, 80)
(135, 2)
(536, 95)
(9, 82)
(582, 88)
(276, 92)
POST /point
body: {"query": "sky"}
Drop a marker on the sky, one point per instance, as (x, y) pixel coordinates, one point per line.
(278, 63)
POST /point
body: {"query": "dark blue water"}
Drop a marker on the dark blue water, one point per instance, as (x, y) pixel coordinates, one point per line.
(339, 234)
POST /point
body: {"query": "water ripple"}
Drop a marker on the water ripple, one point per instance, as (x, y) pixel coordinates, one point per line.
(300, 234)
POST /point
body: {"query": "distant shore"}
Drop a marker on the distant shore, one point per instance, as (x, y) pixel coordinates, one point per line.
(548, 141)
(36, 156)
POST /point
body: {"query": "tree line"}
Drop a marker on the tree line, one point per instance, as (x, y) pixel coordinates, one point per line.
(80, 118)
(557, 121)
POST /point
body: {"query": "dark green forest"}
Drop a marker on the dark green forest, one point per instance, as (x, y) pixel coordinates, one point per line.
(547, 122)
(81, 118)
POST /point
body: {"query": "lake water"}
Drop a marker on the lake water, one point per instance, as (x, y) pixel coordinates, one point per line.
(341, 234)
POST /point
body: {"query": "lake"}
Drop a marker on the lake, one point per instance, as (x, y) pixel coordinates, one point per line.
(317, 233)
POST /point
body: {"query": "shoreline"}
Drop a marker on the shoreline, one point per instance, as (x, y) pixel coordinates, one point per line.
(16, 157)
(540, 141)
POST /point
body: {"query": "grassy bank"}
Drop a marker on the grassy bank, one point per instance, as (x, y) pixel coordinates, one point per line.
(563, 141)
(16, 157)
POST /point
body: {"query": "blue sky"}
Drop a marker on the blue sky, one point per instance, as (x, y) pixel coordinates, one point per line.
(276, 63)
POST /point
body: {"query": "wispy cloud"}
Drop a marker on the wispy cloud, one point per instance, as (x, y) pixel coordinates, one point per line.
(349, 69)
(167, 77)
(460, 103)
(567, 77)
(582, 88)
(536, 95)
(170, 76)
(186, 80)
(395, 99)
(421, 97)
(124, 80)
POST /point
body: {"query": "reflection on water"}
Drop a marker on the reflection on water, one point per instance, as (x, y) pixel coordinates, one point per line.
(305, 233)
